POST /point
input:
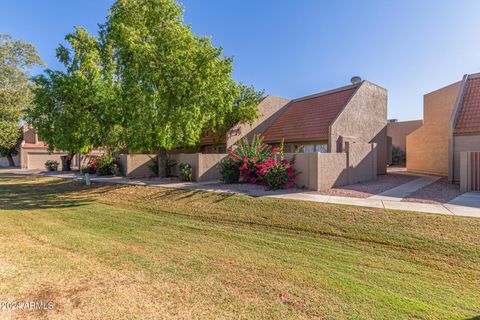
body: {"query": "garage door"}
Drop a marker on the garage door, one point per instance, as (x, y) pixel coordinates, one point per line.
(37, 160)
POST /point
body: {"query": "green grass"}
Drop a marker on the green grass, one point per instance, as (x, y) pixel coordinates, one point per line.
(118, 252)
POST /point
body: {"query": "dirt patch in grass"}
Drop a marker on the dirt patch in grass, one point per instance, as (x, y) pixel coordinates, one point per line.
(438, 192)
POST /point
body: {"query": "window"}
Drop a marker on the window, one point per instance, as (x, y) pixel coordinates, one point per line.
(309, 148)
(322, 148)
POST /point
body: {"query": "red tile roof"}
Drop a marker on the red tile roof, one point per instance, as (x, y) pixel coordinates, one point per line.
(468, 118)
(308, 119)
(212, 138)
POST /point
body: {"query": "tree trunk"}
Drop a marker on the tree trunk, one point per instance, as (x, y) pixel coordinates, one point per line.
(162, 162)
(67, 161)
(11, 163)
(70, 156)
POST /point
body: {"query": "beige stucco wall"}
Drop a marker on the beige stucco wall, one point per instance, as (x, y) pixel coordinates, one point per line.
(427, 147)
(137, 165)
(35, 159)
(332, 170)
(364, 119)
(204, 166)
(322, 171)
(4, 161)
(190, 158)
(399, 131)
(362, 161)
(463, 143)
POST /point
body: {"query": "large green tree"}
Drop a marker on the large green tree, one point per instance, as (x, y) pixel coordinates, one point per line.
(174, 84)
(69, 106)
(147, 83)
(16, 59)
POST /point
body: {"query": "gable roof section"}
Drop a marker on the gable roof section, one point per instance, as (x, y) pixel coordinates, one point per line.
(267, 108)
(309, 118)
(468, 118)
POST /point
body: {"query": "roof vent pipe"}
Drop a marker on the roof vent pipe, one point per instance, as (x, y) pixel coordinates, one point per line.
(356, 80)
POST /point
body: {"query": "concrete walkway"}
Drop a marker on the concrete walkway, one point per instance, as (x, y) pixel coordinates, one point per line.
(402, 191)
(467, 205)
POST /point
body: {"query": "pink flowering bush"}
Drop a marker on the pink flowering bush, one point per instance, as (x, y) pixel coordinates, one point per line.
(91, 166)
(281, 175)
(257, 163)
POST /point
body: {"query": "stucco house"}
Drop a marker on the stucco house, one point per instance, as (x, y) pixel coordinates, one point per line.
(320, 122)
(451, 125)
(34, 152)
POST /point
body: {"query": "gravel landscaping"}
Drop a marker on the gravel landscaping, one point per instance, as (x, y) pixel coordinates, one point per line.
(368, 189)
(438, 192)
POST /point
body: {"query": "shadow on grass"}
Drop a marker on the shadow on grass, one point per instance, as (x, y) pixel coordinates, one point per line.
(20, 193)
(188, 194)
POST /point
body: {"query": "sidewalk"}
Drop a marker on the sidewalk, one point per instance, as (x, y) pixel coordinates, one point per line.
(402, 191)
(467, 205)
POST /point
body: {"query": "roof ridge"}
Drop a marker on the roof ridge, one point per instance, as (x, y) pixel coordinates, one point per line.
(473, 76)
(324, 93)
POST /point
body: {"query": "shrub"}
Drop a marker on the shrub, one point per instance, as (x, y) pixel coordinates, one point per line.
(185, 171)
(255, 162)
(51, 165)
(229, 169)
(398, 156)
(280, 175)
(244, 162)
(91, 166)
(253, 149)
(106, 165)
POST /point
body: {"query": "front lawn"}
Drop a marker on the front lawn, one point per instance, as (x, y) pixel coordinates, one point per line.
(126, 252)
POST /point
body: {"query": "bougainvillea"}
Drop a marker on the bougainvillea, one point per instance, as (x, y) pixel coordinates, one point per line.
(257, 163)
(91, 166)
(281, 175)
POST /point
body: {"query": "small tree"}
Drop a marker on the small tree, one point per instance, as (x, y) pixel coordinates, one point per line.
(16, 58)
(68, 109)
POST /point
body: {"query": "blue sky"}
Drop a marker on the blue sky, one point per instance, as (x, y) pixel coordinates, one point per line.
(295, 48)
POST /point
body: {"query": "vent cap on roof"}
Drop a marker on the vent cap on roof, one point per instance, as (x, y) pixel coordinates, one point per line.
(356, 80)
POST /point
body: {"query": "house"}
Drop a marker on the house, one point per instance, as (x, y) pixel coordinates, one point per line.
(34, 152)
(451, 125)
(317, 123)
(397, 132)
(323, 122)
(268, 111)
(341, 135)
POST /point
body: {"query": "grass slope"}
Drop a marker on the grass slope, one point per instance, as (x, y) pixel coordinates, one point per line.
(126, 252)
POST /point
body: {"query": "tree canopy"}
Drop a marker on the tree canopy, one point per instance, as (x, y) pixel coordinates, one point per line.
(146, 83)
(69, 105)
(16, 58)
